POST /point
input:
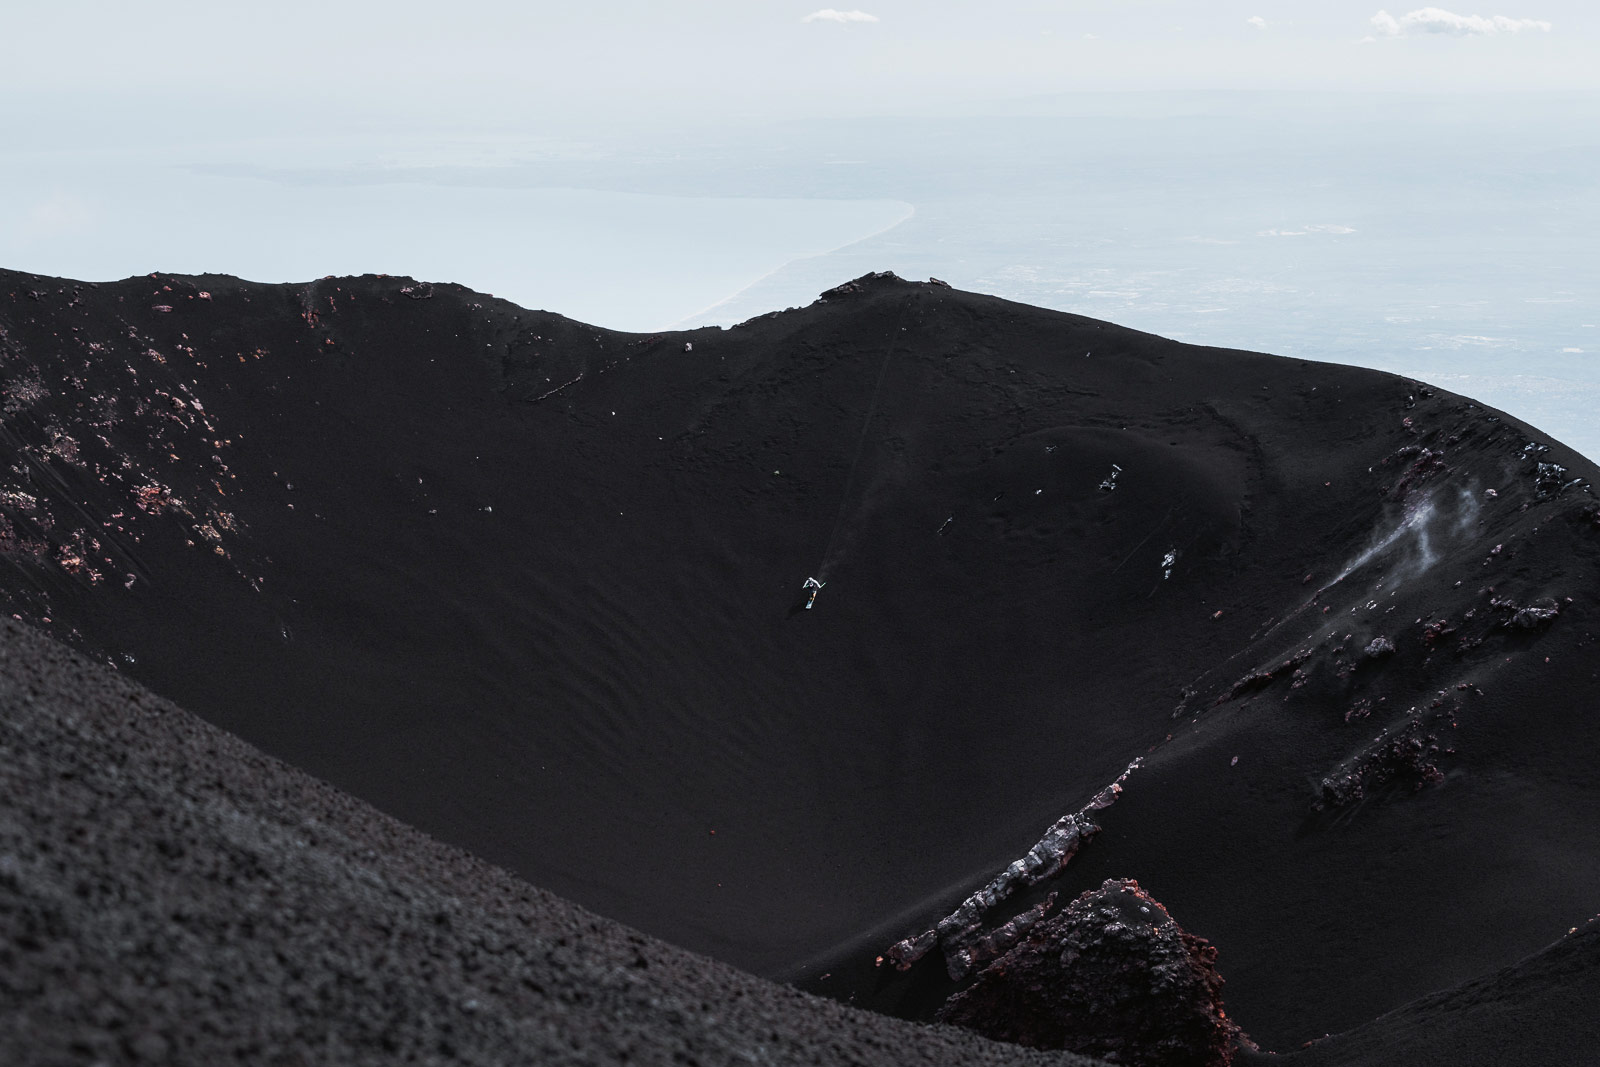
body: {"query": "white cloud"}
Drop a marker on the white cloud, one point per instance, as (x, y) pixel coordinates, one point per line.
(1257, 21)
(1438, 20)
(1316, 227)
(828, 14)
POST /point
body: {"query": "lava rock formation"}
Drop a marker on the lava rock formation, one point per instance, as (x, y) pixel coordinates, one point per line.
(1111, 976)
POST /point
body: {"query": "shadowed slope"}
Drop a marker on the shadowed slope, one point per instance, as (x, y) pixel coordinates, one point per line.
(1539, 1010)
(171, 895)
(536, 588)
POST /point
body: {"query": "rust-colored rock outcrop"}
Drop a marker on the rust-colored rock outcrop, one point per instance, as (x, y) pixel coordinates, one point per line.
(1113, 976)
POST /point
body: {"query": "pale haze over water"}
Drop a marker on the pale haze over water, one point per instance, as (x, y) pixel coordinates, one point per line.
(1440, 225)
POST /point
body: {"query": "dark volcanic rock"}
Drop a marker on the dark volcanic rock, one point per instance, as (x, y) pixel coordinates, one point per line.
(1405, 757)
(1541, 612)
(1111, 976)
(1379, 647)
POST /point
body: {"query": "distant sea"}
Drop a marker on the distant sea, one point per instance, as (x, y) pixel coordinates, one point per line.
(1452, 239)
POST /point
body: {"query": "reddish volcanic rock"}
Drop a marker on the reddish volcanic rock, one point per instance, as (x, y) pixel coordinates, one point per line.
(1112, 976)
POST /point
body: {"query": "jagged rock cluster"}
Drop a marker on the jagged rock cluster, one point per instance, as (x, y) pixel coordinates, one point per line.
(1111, 976)
(966, 943)
(1405, 757)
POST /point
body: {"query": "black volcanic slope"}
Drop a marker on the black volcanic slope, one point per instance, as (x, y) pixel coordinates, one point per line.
(1540, 1010)
(535, 587)
(169, 895)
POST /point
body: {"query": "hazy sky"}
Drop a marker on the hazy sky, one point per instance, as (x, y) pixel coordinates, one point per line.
(768, 57)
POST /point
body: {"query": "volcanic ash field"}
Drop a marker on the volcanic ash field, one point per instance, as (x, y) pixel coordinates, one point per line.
(1167, 704)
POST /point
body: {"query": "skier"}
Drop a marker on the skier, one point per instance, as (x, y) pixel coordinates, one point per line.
(815, 587)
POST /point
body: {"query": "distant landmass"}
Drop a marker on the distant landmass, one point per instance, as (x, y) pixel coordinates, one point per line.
(1305, 650)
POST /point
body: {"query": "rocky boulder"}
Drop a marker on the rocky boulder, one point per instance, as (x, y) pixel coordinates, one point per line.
(1111, 976)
